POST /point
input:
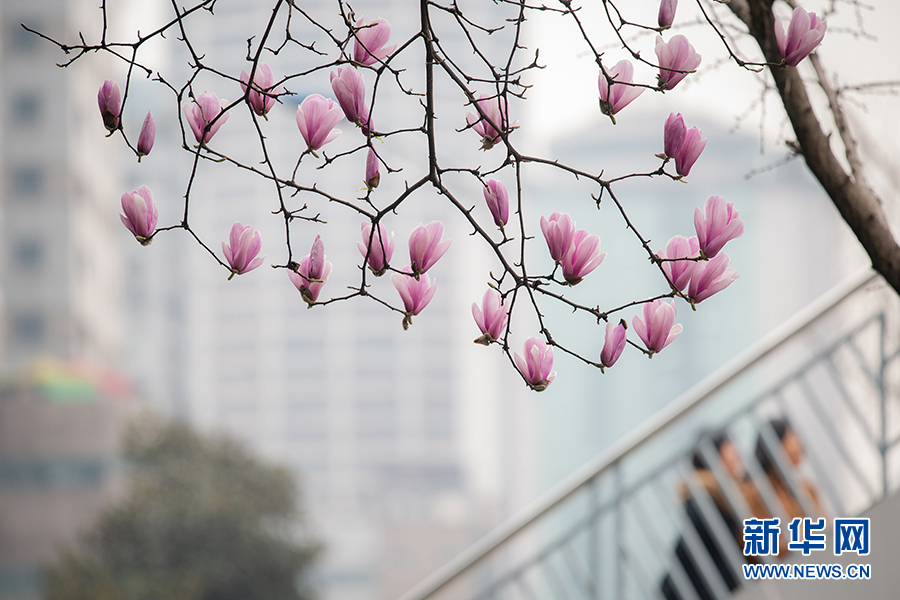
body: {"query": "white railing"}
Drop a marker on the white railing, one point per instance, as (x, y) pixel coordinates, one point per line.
(620, 526)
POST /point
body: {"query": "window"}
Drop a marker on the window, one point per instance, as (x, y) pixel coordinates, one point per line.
(20, 40)
(28, 181)
(28, 254)
(26, 108)
(29, 327)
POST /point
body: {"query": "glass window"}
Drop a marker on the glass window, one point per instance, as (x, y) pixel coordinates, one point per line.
(28, 254)
(28, 181)
(26, 108)
(29, 327)
(20, 40)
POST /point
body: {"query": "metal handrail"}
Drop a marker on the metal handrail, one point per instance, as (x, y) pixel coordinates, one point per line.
(637, 437)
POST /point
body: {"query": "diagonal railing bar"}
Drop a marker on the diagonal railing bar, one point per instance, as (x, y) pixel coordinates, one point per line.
(844, 395)
(607, 467)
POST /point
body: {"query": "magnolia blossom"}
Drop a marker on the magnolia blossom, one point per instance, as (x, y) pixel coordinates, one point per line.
(495, 109)
(673, 134)
(666, 13)
(368, 47)
(805, 32)
(312, 272)
(350, 91)
(139, 214)
(583, 257)
(316, 118)
(490, 317)
(415, 293)
(620, 93)
(241, 252)
(205, 111)
(426, 246)
(679, 271)
(613, 344)
(658, 329)
(382, 247)
(373, 177)
(497, 199)
(559, 231)
(689, 152)
(676, 55)
(148, 135)
(110, 100)
(262, 94)
(717, 223)
(711, 277)
(536, 365)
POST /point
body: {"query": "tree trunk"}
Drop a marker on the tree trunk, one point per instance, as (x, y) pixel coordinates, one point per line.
(854, 199)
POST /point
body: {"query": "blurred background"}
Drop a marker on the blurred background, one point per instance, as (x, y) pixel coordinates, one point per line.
(405, 446)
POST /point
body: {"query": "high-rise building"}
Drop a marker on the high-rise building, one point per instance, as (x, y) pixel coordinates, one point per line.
(401, 442)
(60, 271)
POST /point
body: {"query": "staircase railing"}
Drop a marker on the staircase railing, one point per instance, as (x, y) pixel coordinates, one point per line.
(620, 526)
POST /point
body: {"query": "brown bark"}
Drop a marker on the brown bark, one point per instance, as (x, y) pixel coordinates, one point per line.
(854, 199)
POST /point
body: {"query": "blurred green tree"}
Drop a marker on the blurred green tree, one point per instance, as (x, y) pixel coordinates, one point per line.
(202, 520)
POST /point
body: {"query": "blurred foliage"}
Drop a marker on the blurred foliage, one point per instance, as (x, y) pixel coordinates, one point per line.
(202, 520)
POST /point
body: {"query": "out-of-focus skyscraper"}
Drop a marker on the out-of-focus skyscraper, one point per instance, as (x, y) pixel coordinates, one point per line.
(402, 443)
(60, 268)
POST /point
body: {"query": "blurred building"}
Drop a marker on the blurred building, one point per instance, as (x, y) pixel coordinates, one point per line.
(406, 448)
(61, 427)
(60, 267)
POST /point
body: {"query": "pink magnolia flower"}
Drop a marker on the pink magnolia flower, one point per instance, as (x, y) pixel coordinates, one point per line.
(368, 47)
(316, 118)
(658, 329)
(673, 134)
(382, 247)
(312, 272)
(710, 277)
(207, 110)
(613, 344)
(139, 214)
(496, 109)
(262, 94)
(805, 32)
(583, 257)
(373, 177)
(241, 252)
(559, 231)
(717, 223)
(415, 293)
(679, 271)
(426, 246)
(490, 317)
(350, 91)
(666, 13)
(110, 100)
(536, 365)
(616, 96)
(676, 55)
(497, 199)
(690, 151)
(147, 137)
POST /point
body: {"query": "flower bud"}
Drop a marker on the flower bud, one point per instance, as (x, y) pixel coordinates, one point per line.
(139, 214)
(373, 177)
(110, 100)
(148, 135)
(536, 365)
(242, 249)
(497, 199)
(426, 246)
